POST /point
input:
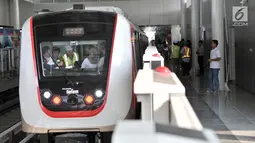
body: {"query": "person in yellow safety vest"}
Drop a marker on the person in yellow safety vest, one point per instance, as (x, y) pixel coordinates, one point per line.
(175, 57)
(68, 60)
(186, 55)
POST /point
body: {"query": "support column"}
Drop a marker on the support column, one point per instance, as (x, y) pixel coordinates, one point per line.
(218, 34)
(8, 13)
(201, 34)
(183, 19)
(195, 31)
(16, 14)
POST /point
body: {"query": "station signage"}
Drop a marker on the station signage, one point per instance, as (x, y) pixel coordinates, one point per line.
(240, 16)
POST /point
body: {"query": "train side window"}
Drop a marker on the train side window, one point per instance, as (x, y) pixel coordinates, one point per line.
(142, 47)
(134, 44)
(138, 52)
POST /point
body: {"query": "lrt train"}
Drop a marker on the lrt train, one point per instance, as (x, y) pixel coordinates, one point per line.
(60, 95)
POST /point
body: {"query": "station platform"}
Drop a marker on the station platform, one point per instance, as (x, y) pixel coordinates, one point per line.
(6, 84)
(230, 114)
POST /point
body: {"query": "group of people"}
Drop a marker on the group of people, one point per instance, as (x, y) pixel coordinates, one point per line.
(181, 56)
(184, 48)
(53, 60)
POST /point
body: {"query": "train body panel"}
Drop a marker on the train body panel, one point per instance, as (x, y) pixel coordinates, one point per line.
(119, 93)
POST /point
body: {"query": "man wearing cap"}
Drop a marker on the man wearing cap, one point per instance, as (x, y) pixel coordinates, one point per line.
(68, 60)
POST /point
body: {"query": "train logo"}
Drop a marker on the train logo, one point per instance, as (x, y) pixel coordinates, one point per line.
(70, 91)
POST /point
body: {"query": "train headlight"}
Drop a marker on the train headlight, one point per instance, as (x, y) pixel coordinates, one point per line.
(89, 99)
(99, 93)
(56, 100)
(47, 94)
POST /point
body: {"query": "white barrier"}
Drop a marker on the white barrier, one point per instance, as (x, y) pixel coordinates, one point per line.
(154, 90)
(150, 50)
(152, 59)
(163, 100)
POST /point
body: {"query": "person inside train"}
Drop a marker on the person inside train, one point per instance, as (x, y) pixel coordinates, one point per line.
(69, 59)
(92, 60)
(56, 55)
(102, 56)
(48, 63)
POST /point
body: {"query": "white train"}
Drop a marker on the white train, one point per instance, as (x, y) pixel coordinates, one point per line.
(77, 70)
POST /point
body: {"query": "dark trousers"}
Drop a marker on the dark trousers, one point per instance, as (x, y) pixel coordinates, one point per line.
(201, 64)
(185, 68)
(166, 56)
(175, 65)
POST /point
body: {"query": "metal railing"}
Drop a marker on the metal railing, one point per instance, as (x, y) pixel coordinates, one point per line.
(9, 63)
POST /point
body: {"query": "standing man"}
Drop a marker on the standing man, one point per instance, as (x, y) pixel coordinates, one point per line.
(186, 55)
(200, 58)
(175, 58)
(182, 42)
(152, 43)
(165, 52)
(214, 68)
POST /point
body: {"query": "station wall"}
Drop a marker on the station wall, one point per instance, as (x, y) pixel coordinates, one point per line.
(244, 47)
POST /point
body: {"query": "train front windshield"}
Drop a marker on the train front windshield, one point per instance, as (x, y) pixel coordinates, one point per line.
(73, 58)
(73, 49)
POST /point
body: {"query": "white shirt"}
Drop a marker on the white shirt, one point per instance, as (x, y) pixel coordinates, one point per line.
(215, 53)
(86, 63)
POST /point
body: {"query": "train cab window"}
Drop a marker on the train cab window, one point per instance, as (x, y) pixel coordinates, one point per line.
(75, 58)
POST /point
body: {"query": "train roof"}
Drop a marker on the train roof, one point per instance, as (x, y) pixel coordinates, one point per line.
(111, 9)
(104, 9)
